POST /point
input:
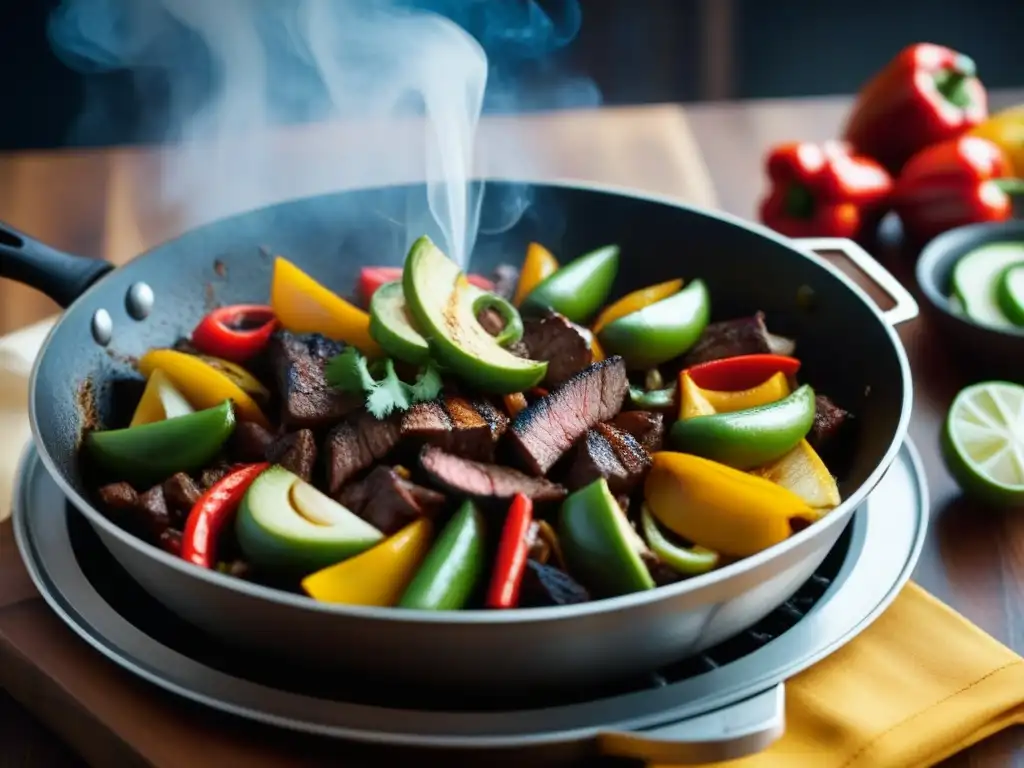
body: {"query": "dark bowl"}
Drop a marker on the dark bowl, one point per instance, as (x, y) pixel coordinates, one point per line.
(992, 352)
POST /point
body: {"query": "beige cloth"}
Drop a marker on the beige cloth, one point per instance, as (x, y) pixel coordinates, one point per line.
(17, 353)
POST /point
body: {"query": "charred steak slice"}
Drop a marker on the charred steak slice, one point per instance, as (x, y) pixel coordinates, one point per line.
(560, 343)
(296, 452)
(545, 585)
(388, 501)
(181, 494)
(306, 398)
(829, 419)
(250, 441)
(463, 427)
(610, 453)
(466, 477)
(497, 420)
(355, 444)
(547, 428)
(730, 338)
(648, 427)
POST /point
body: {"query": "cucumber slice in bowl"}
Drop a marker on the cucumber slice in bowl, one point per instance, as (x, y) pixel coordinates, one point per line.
(975, 279)
(1010, 293)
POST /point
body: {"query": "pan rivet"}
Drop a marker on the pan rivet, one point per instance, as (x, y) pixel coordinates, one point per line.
(102, 327)
(139, 301)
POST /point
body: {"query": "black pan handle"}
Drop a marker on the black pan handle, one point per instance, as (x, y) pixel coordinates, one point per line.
(59, 275)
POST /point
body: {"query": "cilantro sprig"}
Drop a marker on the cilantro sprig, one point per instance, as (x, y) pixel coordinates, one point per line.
(385, 392)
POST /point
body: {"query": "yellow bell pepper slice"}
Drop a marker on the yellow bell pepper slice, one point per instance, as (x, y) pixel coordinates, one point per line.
(718, 507)
(776, 388)
(596, 352)
(160, 400)
(245, 380)
(302, 305)
(692, 401)
(635, 301)
(1006, 130)
(804, 473)
(538, 265)
(377, 576)
(201, 384)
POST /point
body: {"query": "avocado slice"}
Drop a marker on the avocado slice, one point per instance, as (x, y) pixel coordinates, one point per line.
(443, 305)
(285, 525)
(392, 328)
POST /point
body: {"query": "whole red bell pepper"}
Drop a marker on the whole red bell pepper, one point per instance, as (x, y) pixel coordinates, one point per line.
(510, 564)
(372, 278)
(212, 512)
(926, 94)
(236, 333)
(957, 182)
(734, 374)
(822, 190)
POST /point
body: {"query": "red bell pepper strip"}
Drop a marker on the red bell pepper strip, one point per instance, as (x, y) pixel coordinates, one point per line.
(235, 333)
(926, 94)
(957, 182)
(823, 190)
(372, 278)
(212, 511)
(510, 564)
(734, 374)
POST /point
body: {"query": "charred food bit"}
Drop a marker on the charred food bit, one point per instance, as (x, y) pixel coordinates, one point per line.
(460, 426)
(356, 443)
(545, 585)
(388, 501)
(548, 427)
(730, 338)
(181, 494)
(558, 342)
(306, 398)
(612, 454)
(486, 481)
(296, 452)
(829, 419)
(250, 441)
(648, 427)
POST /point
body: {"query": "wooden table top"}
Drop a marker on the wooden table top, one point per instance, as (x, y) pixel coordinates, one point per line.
(973, 560)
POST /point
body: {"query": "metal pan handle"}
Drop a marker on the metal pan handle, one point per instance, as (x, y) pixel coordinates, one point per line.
(742, 729)
(905, 305)
(59, 275)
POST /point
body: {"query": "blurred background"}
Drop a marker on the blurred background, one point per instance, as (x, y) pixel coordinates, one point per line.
(633, 52)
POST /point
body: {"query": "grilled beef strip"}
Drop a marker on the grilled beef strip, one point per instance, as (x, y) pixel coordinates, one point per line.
(181, 494)
(563, 345)
(250, 441)
(549, 426)
(648, 427)
(730, 338)
(388, 501)
(356, 443)
(460, 426)
(306, 398)
(829, 420)
(466, 477)
(213, 475)
(296, 452)
(610, 453)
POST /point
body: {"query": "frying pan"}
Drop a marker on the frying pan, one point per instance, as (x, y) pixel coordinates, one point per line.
(846, 343)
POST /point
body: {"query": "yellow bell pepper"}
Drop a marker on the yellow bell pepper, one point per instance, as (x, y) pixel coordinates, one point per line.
(718, 507)
(201, 384)
(1006, 129)
(159, 401)
(538, 265)
(245, 380)
(302, 305)
(695, 401)
(692, 401)
(635, 301)
(377, 576)
(804, 473)
(595, 350)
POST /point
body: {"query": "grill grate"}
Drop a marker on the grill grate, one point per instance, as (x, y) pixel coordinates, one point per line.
(136, 606)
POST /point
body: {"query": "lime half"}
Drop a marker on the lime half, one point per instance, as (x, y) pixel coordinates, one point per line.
(983, 442)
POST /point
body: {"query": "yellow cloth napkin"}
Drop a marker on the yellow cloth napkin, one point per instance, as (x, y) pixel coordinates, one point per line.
(917, 686)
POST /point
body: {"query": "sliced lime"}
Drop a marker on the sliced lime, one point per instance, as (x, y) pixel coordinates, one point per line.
(974, 281)
(1010, 293)
(983, 442)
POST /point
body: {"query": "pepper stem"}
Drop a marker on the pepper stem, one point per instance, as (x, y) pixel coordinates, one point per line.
(1010, 186)
(799, 202)
(952, 81)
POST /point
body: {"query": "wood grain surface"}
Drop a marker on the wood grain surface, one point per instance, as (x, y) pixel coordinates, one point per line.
(974, 560)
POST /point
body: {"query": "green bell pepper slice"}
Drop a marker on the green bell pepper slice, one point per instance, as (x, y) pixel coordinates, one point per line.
(580, 288)
(598, 543)
(689, 561)
(660, 331)
(452, 568)
(149, 453)
(749, 438)
(665, 400)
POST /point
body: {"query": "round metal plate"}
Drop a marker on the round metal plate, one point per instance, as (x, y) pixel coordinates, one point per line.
(883, 544)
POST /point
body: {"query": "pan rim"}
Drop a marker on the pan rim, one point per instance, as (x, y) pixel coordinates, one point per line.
(470, 618)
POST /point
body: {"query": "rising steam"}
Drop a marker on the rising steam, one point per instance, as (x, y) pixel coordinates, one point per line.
(230, 70)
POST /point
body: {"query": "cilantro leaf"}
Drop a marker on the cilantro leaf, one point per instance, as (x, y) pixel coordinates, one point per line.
(388, 394)
(349, 372)
(427, 385)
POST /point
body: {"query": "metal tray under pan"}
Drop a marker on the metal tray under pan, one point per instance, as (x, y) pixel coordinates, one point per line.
(722, 704)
